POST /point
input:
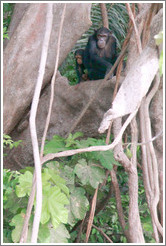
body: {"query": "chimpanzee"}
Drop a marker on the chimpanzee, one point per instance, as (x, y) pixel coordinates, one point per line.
(100, 53)
(80, 68)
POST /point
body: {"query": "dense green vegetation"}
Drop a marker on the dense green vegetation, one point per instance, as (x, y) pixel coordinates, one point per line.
(69, 183)
(68, 187)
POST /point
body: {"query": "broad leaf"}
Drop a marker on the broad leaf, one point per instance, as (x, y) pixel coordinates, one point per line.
(60, 182)
(68, 175)
(60, 235)
(89, 174)
(53, 206)
(83, 143)
(78, 203)
(44, 234)
(25, 184)
(82, 171)
(17, 221)
(56, 144)
(106, 158)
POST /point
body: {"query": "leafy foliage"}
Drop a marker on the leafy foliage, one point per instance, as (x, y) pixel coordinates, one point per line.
(7, 13)
(7, 141)
(67, 68)
(89, 174)
(68, 184)
(78, 204)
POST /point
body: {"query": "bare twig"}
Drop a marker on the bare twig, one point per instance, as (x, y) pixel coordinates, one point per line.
(99, 207)
(146, 29)
(104, 15)
(119, 202)
(100, 230)
(53, 83)
(51, 156)
(33, 112)
(135, 27)
(92, 213)
(144, 143)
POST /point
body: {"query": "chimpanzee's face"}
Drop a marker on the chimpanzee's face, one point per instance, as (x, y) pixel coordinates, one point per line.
(102, 36)
(79, 59)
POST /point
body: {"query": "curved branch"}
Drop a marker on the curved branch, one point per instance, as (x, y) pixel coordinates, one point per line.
(32, 122)
(51, 156)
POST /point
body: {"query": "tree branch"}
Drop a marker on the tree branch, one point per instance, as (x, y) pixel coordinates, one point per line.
(91, 217)
(119, 202)
(135, 228)
(53, 83)
(104, 15)
(100, 230)
(51, 156)
(31, 198)
(32, 121)
(135, 28)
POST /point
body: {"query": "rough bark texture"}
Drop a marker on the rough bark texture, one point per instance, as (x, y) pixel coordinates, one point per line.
(21, 61)
(67, 105)
(156, 111)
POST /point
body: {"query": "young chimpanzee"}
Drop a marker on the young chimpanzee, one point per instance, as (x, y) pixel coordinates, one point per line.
(80, 68)
(100, 53)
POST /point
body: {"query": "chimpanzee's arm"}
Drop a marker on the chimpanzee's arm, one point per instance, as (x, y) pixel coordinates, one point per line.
(80, 72)
(112, 48)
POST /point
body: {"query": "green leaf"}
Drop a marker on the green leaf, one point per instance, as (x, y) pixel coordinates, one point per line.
(25, 184)
(55, 145)
(83, 143)
(89, 174)
(60, 235)
(106, 158)
(53, 206)
(68, 175)
(60, 182)
(78, 203)
(82, 171)
(147, 227)
(71, 138)
(44, 234)
(45, 215)
(97, 176)
(17, 221)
